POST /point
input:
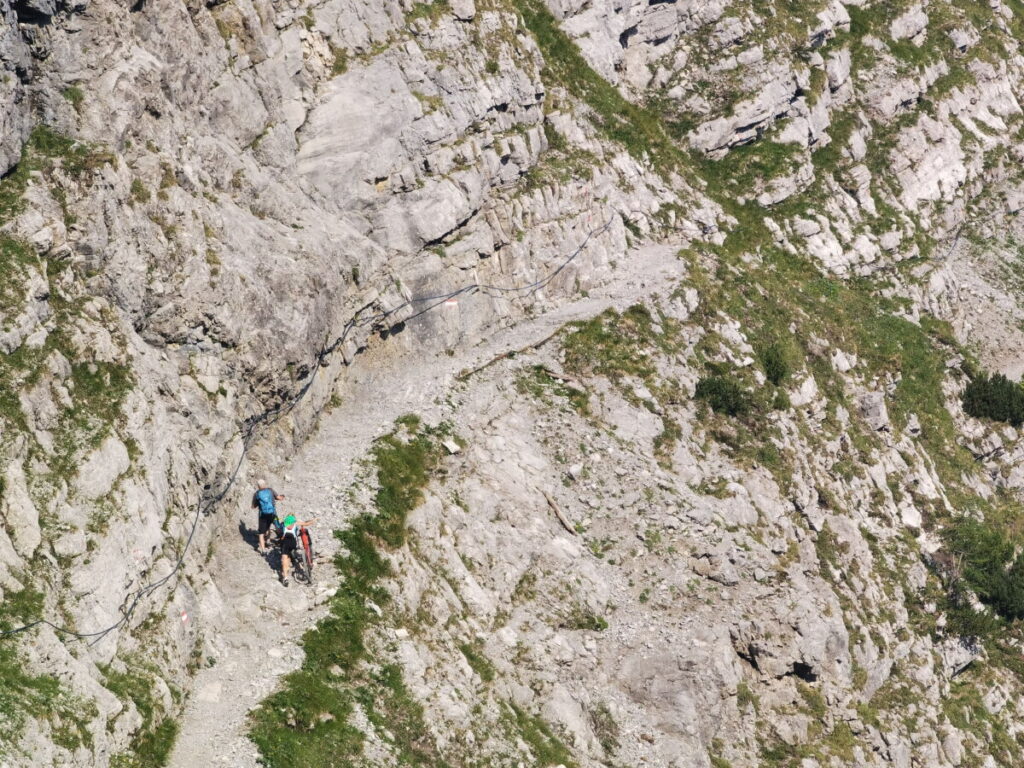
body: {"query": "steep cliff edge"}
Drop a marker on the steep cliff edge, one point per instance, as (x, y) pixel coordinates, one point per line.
(210, 210)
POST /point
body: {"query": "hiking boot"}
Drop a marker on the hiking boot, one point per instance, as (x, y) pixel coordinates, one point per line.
(284, 582)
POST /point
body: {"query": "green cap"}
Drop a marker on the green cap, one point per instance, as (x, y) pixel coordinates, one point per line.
(290, 520)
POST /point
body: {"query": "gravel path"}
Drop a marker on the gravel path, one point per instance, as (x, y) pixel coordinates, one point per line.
(259, 622)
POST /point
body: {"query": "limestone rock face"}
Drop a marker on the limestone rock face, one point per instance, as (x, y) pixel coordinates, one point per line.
(21, 518)
(215, 216)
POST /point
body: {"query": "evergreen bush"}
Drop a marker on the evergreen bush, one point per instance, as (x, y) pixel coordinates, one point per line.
(724, 395)
(995, 398)
(991, 565)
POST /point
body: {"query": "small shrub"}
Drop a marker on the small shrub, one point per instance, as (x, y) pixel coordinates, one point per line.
(995, 398)
(581, 617)
(491, 67)
(724, 395)
(775, 363)
(992, 567)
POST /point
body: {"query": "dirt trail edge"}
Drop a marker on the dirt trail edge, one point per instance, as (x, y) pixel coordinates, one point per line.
(258, 621)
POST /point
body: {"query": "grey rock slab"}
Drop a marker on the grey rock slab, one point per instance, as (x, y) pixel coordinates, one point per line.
(101, 469)
(19, 513)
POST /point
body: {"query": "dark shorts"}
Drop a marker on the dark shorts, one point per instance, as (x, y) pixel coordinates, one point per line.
(288, 546)
(265, 523)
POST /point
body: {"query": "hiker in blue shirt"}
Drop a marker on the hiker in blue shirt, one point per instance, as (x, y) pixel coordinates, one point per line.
(263, 500)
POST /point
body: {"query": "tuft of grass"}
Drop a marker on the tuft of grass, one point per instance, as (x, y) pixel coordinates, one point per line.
(339, 64)
(776, 364)
(478, 661)
(432, 11)
(608, 345)
(581, 617)
(538, 383)
(605, 728)
(74, 96)
(139, 192)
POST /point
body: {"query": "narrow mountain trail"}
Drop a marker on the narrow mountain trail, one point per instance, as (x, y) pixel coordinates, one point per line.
(258, 622)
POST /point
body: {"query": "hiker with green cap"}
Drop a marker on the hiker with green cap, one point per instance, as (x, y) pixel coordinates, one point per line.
(290, 542)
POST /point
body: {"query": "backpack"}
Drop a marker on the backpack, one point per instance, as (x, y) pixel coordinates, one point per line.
(265, 498)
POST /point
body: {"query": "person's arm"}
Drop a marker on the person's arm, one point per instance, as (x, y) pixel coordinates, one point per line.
(277, 496)
(308, 522)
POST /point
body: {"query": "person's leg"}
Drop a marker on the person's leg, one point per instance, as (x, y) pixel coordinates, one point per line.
(286, 564)
(262, 527)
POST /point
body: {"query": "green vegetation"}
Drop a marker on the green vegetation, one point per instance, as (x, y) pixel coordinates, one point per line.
(339, 62)
(480, 663)
(431, 11)
(74, 96)
(546, 747)
(608, 345)
(605, 728)
(538, 382)
(152, 743)
(16, 262)
(993, 565)
(25, 696)
(996, 398)
(724, 395)
(47, 152)
(559, 163)
(97, 389)
(583, 618)
(776, 364)
(745, 166)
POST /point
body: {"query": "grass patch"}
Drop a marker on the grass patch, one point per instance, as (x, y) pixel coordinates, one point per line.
(97, 389)
(25, 696)
(74, 96)
(432, 12)
(339, 61)
(537, 382)
(478, 661)
(582, 618)
(152, 743)
(547, 749)
(620, 346)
